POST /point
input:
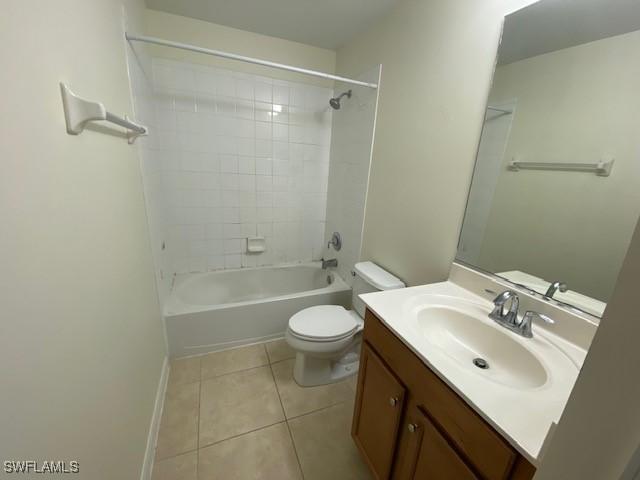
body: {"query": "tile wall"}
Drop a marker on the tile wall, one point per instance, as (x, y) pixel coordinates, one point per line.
(351, 147)
(140, 75)
(232, 155)
(239, 156)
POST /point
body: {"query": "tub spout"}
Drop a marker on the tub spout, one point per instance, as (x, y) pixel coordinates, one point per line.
(329, 263)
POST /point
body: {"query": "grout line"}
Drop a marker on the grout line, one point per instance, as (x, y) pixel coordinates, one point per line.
(158, 460)
(238, 347)
(235, 371)
(293, 442)
(283, 360)
(241, 434)
(275, 383)
(317, 410)
(266, 353)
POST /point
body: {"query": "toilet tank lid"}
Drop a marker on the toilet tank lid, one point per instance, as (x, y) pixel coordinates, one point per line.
(377, 277)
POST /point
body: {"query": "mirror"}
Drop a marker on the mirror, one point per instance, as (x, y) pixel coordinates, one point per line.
(555, 194)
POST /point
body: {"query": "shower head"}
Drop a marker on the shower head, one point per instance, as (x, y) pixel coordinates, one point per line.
(335, 102)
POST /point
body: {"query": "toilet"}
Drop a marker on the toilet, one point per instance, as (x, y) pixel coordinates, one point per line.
(327, 338)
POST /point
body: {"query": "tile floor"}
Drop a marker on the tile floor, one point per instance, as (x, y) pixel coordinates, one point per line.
(238, 414)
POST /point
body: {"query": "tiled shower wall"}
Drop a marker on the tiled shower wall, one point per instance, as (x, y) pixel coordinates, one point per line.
(139, 63)
(351, 146)
(232, 155)
(238, 156)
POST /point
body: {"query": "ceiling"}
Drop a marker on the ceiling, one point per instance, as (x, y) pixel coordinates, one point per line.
(323, 23)
(551, 25)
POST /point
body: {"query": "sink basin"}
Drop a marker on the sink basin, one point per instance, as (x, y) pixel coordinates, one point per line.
(463, 332)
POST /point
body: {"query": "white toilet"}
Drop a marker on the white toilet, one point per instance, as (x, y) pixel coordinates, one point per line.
(326, 338)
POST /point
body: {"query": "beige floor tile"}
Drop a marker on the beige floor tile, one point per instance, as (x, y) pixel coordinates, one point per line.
(228, 361)
(298, 400)
(182, 467)
(279, 350)
(324, 445)
(265, 454)
(179, 424)
(183, 371)
(238, 403)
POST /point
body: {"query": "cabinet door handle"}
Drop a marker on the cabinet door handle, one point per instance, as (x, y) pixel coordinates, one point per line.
(393, 401)
(412, 427)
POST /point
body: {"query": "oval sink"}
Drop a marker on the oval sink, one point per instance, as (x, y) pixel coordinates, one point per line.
(465, 337)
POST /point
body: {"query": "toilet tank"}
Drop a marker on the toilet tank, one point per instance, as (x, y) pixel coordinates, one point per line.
(371, 278)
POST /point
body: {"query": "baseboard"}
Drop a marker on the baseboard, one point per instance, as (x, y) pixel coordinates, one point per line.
(150, 452)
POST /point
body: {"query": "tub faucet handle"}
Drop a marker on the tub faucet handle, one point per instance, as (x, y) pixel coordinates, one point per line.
(336, 241)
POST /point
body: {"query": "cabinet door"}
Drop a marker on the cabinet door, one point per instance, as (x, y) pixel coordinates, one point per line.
(430, 457)
(378, 411)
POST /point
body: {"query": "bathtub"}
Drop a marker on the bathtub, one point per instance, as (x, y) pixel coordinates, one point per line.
(206, 312)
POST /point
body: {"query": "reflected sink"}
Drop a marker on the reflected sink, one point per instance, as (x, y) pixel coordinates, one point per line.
(463, 331)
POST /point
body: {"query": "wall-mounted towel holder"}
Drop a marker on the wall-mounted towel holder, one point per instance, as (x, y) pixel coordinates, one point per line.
(602, 168)
(78, 112)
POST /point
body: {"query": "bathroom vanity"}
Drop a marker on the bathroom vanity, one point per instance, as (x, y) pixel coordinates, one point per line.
(409, 424)
(427, 408)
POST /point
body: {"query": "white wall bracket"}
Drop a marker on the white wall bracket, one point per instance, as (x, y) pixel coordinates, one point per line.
(78, 112)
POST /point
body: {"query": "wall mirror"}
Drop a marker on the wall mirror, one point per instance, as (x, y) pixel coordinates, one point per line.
(555, 194)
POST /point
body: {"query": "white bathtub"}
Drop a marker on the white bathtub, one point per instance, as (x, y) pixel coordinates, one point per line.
(212, 311)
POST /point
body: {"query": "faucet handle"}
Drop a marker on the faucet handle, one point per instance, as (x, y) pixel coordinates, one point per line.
(527, 320)
(530, 314)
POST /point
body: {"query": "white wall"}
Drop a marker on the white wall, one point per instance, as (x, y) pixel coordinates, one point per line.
(351, 146)
(437, 59)
(239, 155)
(578, 104)
(81, 342)
(599, 430)
(219, 37)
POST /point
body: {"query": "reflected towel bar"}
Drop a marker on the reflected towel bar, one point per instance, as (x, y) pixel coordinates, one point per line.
(501, 110)
(602, 168)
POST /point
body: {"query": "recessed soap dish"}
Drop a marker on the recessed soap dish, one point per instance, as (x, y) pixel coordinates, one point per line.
(256, 244)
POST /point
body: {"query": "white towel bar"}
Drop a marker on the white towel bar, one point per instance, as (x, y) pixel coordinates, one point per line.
(78, 112)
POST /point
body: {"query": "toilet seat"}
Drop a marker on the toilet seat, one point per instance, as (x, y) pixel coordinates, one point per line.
(323, 323)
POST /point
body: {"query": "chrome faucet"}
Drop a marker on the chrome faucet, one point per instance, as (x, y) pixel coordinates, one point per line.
(554, 287)
(329, 263)
(498, 314)
(509, 319)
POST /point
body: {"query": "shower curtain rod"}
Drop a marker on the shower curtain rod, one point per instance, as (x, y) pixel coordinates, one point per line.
(242, 58)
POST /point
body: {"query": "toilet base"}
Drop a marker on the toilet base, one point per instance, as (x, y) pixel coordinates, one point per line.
(311, 371)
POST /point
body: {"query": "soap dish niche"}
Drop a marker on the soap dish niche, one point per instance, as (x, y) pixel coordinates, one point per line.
(256, 244)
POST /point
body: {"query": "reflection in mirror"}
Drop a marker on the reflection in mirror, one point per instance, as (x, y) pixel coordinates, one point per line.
(555, 194)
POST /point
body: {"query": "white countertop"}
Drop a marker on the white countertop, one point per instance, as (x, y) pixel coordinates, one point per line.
(523, 416)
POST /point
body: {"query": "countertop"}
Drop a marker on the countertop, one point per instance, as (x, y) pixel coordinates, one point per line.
(523, 416)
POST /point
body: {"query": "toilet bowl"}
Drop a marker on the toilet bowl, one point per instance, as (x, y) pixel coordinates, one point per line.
(327, 338)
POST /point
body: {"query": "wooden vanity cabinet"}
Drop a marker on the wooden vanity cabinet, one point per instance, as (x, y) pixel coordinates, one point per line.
(428, 455)
(378, 424)
(408, 424)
